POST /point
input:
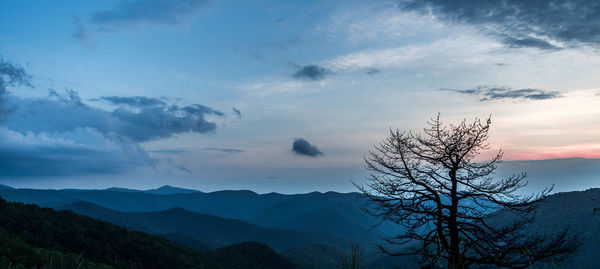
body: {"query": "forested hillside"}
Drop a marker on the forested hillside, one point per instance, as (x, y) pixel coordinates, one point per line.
(34, 237)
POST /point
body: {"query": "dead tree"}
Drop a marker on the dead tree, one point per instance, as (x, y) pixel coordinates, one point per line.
(436, 187)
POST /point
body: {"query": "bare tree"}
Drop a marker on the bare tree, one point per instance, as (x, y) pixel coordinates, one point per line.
(435, 187)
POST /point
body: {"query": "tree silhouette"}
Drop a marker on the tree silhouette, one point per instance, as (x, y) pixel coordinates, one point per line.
(435, 187)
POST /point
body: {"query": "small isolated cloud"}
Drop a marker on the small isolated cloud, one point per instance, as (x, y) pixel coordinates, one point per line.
(184, 169)
(138, 12)
(237, 112)
(372, 71)
(225, 150)
(519, 23)
(81, 34)
(311, 72)
(303, 147)
(487, 93)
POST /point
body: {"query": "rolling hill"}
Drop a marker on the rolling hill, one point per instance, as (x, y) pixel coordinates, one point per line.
(338, 214)
(211, 230)
(313, 213)
(34, 237)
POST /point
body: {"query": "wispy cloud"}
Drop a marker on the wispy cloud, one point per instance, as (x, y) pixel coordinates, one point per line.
(225, 150)
(81, 34)
(10, 75)
(184, 169)
(138, 12)
(237, 112)
(518, 23)
(529, 42)
(487, 93)
(169, 151)
(134, 101)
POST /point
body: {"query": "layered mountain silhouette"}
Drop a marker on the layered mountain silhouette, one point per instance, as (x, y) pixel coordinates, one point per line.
(34, 237)
(316, 225)
(338, 214)
(213, 231)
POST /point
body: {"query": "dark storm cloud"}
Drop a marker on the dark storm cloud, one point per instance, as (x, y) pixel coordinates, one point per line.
(225, 150)
(136, 12)
(521, 23)
(311, 72)
(486, 93)
(303, 147)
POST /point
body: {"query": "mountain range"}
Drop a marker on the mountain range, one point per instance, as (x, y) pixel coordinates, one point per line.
(34, 237)
(312, 229)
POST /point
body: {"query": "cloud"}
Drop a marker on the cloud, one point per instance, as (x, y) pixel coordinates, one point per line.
(137, 12)
(61, 135)
(64, 112)
(10, 76)
(529, 42)
(303, 147)
(169, 151)
(519, 23)
(81, 151)
(311, 72)
(81, 34)
(237, 112)
(225, 150)
(134, 101)
(283, 44)
(184, 169)
(488, 93)
(372, 71)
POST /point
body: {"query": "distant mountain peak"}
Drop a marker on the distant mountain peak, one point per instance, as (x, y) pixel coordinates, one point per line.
(121, 189)
(168, 189)
(4, 187)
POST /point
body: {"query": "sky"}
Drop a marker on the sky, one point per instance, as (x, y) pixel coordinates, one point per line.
(288, 96)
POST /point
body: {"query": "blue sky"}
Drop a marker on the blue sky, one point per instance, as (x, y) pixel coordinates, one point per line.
(288, 97)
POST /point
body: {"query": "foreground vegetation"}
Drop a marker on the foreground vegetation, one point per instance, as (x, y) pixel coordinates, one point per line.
(34, 237)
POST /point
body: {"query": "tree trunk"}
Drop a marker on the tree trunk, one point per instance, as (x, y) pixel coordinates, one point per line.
(455, 260)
